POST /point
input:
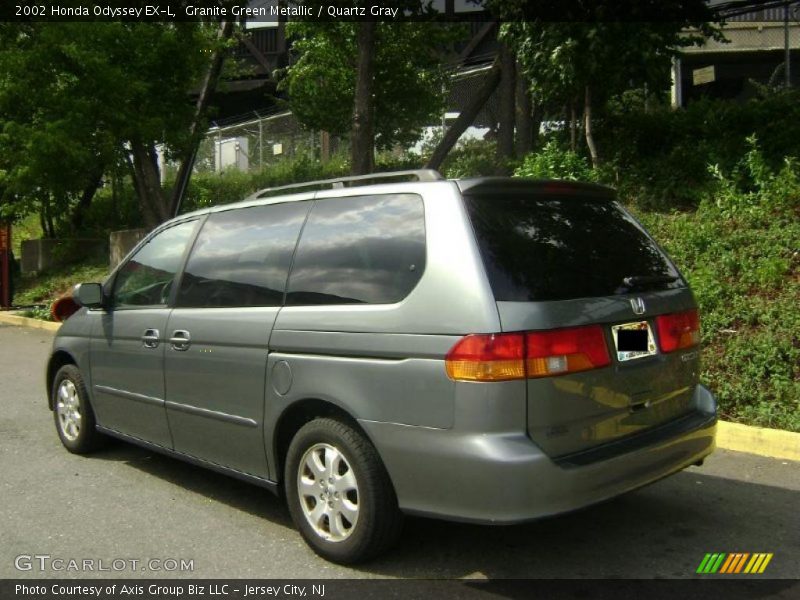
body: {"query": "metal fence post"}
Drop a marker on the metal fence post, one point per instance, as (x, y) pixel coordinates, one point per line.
(260, 143)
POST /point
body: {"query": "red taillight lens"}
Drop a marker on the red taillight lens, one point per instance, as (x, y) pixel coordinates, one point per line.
(565, 351)
(505, 356)
(493, 357)
(678, 330)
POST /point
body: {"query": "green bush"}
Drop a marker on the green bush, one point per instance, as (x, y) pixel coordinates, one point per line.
(40, 312)
(210, 189)
(112, 209)
(474, 158)
(740, 251)
(659, 157)
(555, 162)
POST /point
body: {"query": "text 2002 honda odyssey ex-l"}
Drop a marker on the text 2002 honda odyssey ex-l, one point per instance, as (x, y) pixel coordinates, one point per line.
(490, 350)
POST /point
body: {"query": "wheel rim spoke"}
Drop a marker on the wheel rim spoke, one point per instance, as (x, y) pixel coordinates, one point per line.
(349, 510)
(333, 461)
(346, 482)
(315, 465)
(317, 514)
(308, 487)
(336, 526)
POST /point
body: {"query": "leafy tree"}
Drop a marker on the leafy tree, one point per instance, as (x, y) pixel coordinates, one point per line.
(608, 47)
(407, 77)
(75, 97)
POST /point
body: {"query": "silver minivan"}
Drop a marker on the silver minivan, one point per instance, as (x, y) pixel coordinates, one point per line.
(491, 350)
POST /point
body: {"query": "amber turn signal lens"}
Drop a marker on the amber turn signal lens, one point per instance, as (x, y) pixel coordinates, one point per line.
(507, 356)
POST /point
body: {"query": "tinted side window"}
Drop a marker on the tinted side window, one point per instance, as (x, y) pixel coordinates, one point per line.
(146, 279)
(242, 257)
(364, 249)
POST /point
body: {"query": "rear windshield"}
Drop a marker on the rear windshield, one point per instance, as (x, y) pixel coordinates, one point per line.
(559, 248)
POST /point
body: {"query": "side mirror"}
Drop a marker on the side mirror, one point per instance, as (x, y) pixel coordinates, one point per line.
(89, 295)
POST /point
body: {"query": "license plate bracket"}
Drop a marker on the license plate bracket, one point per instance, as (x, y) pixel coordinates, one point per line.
(633, 340)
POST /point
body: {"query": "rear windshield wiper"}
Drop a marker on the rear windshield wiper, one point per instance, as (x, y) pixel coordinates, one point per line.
(637, 280)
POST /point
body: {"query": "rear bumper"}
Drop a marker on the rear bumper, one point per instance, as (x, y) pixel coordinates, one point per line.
(505, 478)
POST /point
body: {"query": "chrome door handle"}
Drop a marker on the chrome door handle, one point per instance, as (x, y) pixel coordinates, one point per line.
(180, 340)
(150, 339)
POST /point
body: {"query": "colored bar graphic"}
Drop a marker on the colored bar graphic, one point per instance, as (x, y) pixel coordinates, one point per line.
(716, 565)
(703, 563)
(756, 559)
(766, 562)
(734, 563)
(728, 563)
(741, 562)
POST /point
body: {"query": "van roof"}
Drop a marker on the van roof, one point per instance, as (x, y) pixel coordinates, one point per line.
(472, 186)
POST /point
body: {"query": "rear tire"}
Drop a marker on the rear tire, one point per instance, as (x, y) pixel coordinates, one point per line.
(72, 412)
(339, 494)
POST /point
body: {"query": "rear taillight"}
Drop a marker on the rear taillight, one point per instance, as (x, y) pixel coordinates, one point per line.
(492, 357)
(505, 356)
(565, 351)
(678, 330)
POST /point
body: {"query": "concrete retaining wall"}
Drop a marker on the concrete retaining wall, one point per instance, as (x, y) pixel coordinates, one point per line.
(122, 242)
(40, 255)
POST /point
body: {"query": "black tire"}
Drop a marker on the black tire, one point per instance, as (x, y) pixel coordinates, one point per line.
(378, 519)
(85, 437)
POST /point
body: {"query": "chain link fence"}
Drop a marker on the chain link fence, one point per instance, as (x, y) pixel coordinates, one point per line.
(264, 140)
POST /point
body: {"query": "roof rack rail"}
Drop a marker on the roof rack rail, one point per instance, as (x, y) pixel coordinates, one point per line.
(341, 182)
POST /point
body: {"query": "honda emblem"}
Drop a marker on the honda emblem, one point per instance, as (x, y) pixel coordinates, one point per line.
(637, 304)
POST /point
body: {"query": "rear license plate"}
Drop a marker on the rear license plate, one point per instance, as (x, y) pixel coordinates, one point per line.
(633, 340)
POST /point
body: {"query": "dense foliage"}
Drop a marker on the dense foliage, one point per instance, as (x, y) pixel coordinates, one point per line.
(408, 84)
(555, 162)
(659, 157)
(740, 251)
(78, 99)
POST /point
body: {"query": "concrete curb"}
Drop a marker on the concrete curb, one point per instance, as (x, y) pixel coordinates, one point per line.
(12, 319)
(773, 443)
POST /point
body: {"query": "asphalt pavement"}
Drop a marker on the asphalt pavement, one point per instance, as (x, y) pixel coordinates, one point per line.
(132, 505)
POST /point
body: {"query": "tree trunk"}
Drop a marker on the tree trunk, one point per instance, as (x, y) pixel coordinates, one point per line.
(506, 117)
(467, 116)
(206, 90)
(46, 217)
(147, 181)
(42, 220)
(537, 114)
(524, 116)
(573, 127)
(85, 201)
(587, 113)
(362, 139)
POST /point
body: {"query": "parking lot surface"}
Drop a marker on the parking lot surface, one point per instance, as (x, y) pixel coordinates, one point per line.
(126, 503)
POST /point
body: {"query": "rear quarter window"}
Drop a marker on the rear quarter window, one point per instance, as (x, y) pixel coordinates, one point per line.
(359, 250)
(567, 246)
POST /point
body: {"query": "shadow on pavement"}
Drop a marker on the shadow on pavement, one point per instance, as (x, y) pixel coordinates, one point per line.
(661, 531)
(215, 486)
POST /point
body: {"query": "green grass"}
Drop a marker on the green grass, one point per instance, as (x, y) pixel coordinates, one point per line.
(740, 251)
(44, 288)
(26, 229)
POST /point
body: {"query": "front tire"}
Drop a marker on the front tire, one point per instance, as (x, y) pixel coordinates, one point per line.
(339, 494)
(72, 411)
